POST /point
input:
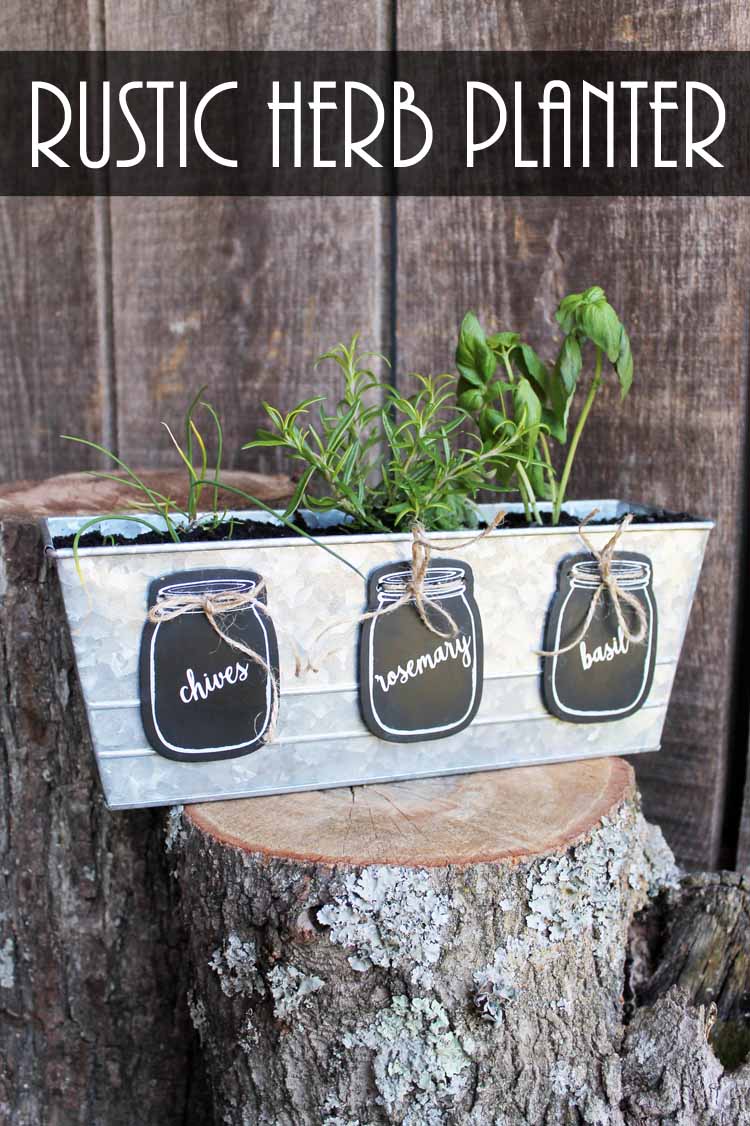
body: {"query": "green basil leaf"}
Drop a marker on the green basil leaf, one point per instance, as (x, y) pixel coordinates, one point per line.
(566, 311)
(569, 363)
(471, 400)
(504, 474)
(556, 422)
(493, 418)
(601, 324)
(539, 481)
(528, 411)
(504, 340)
(560, 399)
(474, 358)
(533, 368)
(525, 399)
(468, 379)
(624, 365)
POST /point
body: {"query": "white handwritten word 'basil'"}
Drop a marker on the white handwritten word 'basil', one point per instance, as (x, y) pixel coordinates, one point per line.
(449, 650)
(618, 646)
(195, 690)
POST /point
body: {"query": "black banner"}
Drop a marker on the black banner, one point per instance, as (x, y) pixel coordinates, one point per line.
(375, 123)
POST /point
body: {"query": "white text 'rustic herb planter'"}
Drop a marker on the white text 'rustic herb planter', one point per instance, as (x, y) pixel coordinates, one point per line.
(500, 703)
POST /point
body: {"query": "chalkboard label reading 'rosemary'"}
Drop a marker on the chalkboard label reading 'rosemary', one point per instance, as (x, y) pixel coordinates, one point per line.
(416, 684)
(202, 698)
(604, 676)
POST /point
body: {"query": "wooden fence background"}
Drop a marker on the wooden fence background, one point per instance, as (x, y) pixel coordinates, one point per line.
(113, 310)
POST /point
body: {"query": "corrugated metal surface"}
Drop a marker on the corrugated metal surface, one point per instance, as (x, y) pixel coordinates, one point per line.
(321, 740)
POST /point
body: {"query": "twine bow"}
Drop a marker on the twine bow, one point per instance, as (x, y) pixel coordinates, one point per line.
(608, 583)
(421, 553)
(223, 602)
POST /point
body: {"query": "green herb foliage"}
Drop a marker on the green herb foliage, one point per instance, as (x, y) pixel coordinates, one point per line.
(387, 459)
(502, 380)
(193, 456)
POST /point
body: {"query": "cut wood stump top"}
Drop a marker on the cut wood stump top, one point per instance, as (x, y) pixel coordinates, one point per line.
(78, 494)
(500, 815)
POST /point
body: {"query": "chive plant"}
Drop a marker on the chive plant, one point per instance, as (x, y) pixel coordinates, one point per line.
(146, 500)
(193, 455)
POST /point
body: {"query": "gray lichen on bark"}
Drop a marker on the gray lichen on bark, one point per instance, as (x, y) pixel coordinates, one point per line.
(173, 830)
(235, 966)
(420, 1065)
(498, 983)
(389, 917)
(290, 989)
(7, 964)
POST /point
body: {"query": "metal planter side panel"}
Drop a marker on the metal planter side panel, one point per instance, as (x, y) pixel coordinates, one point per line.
(321, 740)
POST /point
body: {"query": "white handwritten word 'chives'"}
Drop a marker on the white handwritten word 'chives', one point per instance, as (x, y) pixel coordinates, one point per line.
(200, 690)
(449, 650)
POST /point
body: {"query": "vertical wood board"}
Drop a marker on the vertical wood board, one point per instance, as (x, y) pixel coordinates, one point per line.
(53, 372)
(240, 294)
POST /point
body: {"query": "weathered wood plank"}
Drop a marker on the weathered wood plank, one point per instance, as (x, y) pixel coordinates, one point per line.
(611, 25)
(677, 271)
(242, 294)
(51, 375)
(53, 371)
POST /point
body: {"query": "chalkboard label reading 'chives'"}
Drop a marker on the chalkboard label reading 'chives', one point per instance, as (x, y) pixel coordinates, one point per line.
(604, 676)
(201, 698)
(415, 684)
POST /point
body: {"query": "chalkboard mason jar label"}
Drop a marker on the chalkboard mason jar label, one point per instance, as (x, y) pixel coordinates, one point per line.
(201, 698)
(414, 684)
(604, 676)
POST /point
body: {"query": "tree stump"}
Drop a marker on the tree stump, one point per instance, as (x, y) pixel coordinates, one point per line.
(92, 988)
(433, 952)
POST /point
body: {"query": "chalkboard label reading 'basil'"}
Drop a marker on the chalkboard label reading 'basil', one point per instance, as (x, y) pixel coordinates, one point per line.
(201, 698)
(415, 684)
(604, 676)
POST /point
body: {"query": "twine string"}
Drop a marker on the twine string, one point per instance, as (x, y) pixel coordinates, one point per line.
(421, 553)
(228, 601)
(219, 603)
(609, 584)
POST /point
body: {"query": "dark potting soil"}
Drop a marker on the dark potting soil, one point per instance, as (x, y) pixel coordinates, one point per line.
(658, 516)
(255, 530)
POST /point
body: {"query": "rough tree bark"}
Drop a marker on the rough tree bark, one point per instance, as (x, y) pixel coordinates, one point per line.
(686, 1049)
(450, 951)
(93, 1022)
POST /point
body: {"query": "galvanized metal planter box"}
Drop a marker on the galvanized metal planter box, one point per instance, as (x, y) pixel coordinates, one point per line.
(321, 740)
